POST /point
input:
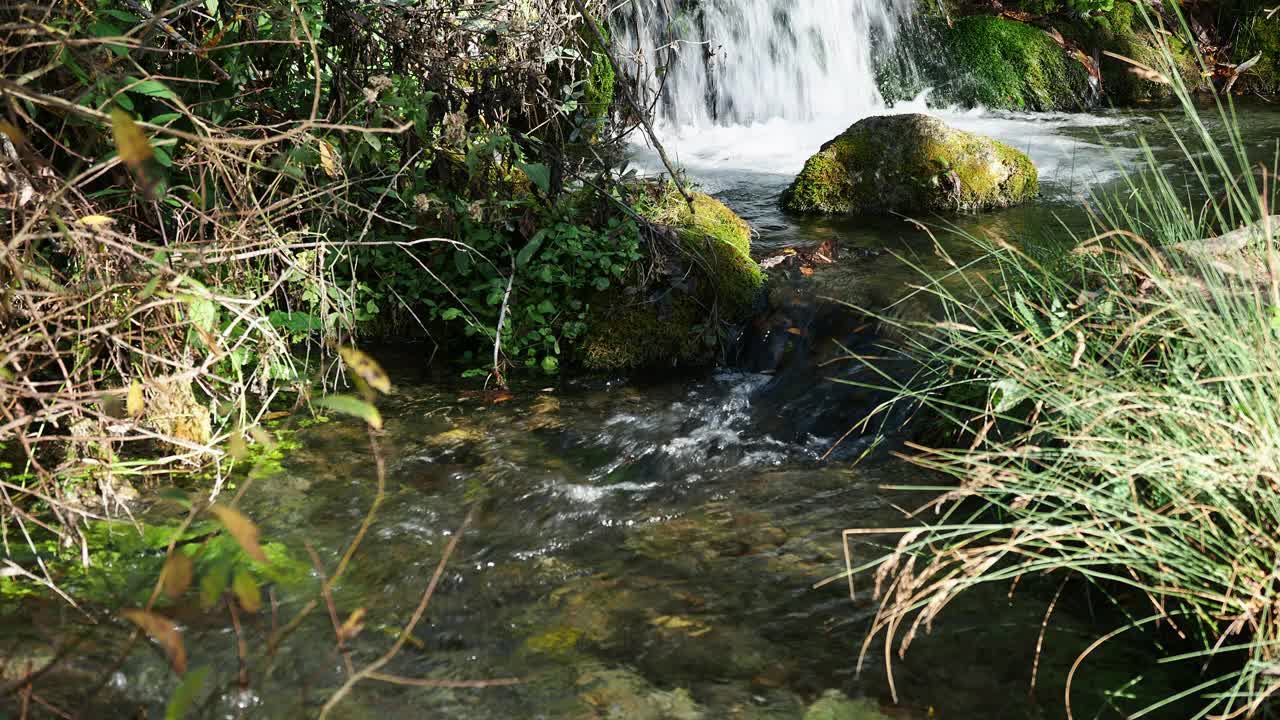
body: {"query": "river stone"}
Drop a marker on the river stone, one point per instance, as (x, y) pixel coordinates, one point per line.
(911, 164)
(835, 705)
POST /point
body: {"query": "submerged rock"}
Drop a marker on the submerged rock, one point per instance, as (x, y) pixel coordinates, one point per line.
(620, 694)
(911, 163)
(834, 705)
(705, 274)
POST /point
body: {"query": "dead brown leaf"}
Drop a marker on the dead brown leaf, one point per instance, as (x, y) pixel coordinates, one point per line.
(164, 632)
(241, 528)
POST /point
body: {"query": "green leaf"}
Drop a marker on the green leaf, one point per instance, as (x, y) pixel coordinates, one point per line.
(538, 173)
(184, 696)
(462, 261)
(295, 322)
(213, 583)
(152, 88)
(246, 591)
(527, 252)
(1008, 394)
(354, 406)
(121, 15)
(202, 313)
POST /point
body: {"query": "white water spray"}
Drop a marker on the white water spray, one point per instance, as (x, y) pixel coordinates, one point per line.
(742, 62)
(756, 86)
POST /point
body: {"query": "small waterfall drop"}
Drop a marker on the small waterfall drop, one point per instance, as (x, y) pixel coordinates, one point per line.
(744, 62)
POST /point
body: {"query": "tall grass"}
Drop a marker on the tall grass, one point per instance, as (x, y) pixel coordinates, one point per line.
(1115, 415)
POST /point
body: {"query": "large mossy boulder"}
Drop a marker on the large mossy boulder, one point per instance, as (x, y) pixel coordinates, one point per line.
(1046, 62)
(699, 275)
(911, 164)
(1000, 63)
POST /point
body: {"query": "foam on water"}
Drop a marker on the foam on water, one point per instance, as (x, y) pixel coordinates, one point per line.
(755, 87)
(718, 155)
(739, 62)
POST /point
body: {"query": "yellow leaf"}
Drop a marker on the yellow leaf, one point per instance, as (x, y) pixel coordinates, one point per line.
(242, 529)
(131, 142)
(176, 575)
(163, 631)
(247, 592)
(236, 446)
(134, 403)
(95, 220)
(15, 135)
(329, 159)
(366, 368)
(353, 625)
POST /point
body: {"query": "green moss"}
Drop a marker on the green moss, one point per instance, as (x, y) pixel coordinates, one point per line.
(720, 242)
(1013, 65)
(911, 163)
(645, 334)
(598, 91)
(1123, 87)
(1259, 35)
(656, 326)
(556, 641)
(823, 185)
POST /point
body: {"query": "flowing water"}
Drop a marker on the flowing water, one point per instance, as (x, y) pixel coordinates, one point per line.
(650, 549)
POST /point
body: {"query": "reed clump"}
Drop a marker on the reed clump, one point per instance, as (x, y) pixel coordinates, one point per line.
(1113, 415)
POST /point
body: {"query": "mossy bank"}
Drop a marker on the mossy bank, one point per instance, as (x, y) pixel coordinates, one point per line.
(911, 163)
(1042, 55)
(697, 277)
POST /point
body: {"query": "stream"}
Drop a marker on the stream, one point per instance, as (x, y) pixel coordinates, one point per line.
(650, 548)
(656, 548)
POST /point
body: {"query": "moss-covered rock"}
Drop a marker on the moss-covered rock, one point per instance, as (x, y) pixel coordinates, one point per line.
(1123, 31)
(1000, 63)
(911, 163)
(1258, 35)
(707, 276)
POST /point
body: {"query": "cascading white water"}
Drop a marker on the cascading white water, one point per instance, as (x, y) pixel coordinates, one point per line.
(746, 90)
(740, 62)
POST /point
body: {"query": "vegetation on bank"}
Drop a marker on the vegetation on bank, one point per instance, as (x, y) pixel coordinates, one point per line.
(210, 206)
(206, 203)
(1113, 422)
(1075, 54)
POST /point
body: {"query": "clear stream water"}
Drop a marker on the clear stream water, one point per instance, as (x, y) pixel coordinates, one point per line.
(649, 549)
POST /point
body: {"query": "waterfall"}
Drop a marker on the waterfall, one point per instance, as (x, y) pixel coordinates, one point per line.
(741, 62)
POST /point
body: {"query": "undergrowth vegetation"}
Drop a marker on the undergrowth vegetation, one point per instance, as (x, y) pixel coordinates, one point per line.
(203, 201)
(1114, 418)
